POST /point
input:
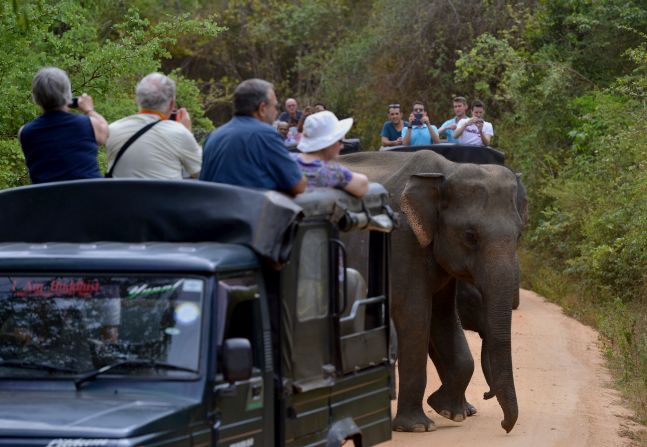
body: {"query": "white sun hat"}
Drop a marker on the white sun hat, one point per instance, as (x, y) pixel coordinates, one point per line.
(321, 130)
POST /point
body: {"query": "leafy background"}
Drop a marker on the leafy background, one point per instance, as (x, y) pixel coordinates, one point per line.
(564, 82)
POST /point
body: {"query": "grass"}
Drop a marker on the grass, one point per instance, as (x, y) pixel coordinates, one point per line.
(622, 328)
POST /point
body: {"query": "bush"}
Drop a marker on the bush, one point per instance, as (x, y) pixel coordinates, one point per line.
(12, 165)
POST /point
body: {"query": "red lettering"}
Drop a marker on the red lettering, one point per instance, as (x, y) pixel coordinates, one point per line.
(69, 288)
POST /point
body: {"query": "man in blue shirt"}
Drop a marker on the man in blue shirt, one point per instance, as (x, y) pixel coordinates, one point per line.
(292, 115)
(248, 151)
(449, 126)
(419, 131)
(392, 130)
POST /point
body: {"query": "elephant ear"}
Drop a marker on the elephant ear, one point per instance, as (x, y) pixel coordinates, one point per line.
(420, 202)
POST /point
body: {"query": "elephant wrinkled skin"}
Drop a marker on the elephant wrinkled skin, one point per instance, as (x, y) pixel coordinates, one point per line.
(460, 222)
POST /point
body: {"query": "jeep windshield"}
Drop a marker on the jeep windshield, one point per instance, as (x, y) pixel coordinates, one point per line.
(70, 326)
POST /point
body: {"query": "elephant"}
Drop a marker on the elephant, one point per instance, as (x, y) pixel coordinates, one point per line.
(461, 221)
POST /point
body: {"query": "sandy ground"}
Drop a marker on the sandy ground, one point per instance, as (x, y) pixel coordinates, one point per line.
(562, 389)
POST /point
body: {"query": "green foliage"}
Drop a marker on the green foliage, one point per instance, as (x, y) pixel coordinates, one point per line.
(625, 329)
(285, 42)
(634, 85)
(596, 222)
(493, 70)
(593, 234)
(104, 59)
(12, 165)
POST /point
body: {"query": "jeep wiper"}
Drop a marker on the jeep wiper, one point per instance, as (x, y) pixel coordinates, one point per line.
(133, 363)
(32, 365)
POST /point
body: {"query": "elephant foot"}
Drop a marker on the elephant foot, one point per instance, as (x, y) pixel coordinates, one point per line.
(488, 395)
(470, 409)
(444, 407)
(417, 423)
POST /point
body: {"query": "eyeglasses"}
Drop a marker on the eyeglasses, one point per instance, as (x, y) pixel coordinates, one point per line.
(394, 106)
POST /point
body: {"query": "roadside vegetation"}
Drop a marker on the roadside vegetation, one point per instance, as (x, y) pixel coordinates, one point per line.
(564, 83)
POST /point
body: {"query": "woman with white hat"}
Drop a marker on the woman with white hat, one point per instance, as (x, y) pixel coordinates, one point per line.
(320, 146)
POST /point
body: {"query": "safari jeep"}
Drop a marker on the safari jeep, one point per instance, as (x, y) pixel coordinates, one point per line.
(147, 313)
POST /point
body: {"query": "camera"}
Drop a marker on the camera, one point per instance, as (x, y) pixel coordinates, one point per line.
(74, 104)
(173, 115)
(418, 120)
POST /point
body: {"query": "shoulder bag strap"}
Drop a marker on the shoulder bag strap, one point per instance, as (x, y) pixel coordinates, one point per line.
(130, 141)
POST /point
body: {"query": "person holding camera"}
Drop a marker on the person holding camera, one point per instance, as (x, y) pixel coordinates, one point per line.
(156, 142)
(475, 130)
(419, 130)
(60, 145)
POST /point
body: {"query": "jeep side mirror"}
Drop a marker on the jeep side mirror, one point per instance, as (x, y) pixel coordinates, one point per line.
(237, 360)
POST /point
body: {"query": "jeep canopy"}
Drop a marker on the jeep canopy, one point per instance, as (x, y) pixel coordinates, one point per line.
(139, 211)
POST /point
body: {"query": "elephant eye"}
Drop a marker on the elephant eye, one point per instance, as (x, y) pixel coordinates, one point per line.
(471, 237)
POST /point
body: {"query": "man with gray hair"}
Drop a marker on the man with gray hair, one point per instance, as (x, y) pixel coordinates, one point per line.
(161, 143)
(248, 151)
(59, 145)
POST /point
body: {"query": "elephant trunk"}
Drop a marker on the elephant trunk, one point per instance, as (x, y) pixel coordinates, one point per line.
(499, 290)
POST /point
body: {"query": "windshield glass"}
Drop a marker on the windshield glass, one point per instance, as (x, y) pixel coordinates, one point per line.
(62, 325)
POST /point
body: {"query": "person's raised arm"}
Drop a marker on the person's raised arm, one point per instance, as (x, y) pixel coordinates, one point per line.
(99, 123)
(430, 127)
(461, 127)
(184, 118)
(485, 138)
(448, 125)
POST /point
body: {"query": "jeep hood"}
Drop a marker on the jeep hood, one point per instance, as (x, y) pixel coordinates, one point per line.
(72, 414)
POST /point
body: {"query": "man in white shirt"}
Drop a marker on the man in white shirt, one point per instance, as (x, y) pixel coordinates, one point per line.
(475, 130)
(165, 151)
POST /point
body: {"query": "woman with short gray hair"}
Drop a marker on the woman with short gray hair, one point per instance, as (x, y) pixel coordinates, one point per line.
(60, 145)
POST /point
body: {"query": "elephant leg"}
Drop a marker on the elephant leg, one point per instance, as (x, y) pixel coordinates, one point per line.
(411, 327)
(485, 366)
(450, 353)
(470, 410)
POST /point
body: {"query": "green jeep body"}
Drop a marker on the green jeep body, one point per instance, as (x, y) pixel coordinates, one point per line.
(147, 313)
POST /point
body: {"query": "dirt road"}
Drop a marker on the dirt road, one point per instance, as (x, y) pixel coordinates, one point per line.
(561, 385)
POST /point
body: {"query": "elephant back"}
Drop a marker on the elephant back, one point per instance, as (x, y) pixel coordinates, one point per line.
(393, 169)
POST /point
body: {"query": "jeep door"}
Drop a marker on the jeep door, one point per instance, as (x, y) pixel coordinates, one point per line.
(242, 410)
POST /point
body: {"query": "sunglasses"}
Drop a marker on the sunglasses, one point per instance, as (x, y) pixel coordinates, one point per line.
(394, 106)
